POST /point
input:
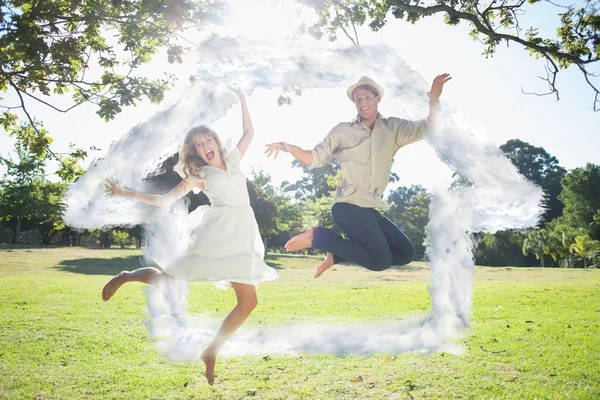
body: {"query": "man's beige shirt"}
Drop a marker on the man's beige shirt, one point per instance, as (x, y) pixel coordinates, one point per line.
(365, 156)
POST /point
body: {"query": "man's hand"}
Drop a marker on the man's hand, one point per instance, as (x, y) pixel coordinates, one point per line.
(437, 86)
(275, 148)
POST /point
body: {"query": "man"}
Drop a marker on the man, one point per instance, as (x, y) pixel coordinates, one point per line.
(364, 149)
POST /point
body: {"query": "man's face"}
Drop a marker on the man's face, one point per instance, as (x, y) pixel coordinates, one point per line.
(366, 103)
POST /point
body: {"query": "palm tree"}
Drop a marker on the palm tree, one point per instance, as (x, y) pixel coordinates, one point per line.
(585, 247)
(566, 235)
(538, 243)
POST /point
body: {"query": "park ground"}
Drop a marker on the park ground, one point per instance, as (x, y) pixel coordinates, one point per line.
(535, 333)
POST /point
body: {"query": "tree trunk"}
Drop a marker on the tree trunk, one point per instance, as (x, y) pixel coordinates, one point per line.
(542, 260)
(104, 240)
(50, 236)
(585, 262)
(570, 260)
(18, 231)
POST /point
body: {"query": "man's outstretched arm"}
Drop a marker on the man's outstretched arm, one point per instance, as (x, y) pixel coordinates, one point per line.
(304, 156)
(434, 97)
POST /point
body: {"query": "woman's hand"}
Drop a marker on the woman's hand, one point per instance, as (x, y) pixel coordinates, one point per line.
(113, 188)
(237, 91)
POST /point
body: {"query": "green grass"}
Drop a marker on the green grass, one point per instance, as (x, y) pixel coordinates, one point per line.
(536, 334)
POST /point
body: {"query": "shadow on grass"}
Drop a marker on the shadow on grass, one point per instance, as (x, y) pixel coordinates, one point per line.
(100, 266)
(112, 266)
(271, 261)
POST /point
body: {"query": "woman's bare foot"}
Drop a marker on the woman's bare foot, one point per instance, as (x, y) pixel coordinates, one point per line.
(209, 360)
(325, 265)
(300, 242)
(113, 285)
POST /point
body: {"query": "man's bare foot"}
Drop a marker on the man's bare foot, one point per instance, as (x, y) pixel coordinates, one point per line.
(325, 265)
(209, 360)
(113, 285)
(300, 242)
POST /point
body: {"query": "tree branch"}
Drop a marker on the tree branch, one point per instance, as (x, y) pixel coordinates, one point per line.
(484, 27)
(427, 11)
(344, 30)
(596, 104)
(50, 105)
(32, 122)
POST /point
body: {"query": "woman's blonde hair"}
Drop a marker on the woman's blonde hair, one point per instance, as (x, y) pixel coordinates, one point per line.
(191, 163)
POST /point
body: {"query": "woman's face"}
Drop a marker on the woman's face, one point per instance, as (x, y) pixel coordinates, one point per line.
(207, 147)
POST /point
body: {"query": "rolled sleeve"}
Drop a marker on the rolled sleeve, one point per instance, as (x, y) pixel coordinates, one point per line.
(324, 151)
(408, 132)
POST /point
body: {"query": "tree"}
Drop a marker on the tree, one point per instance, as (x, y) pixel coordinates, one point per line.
(581, 198)
(27, 199)
(500, 249)
(409, 209)
(288, 220)
(538, 243)
(277, 217)
(265, 212)
(21, 189)
(576, 41)
(564, 236)
(540, 167)
(51, 210)
(313, 183)
(585, 247)
(60, 46)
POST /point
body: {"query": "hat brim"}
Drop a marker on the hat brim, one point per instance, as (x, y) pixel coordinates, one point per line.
(373, 85)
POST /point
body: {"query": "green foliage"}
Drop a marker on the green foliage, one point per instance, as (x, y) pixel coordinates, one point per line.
(585, 247)
(581, 198)
(50, 211)
(409, 209)
(538, 243)
(276, 215)
(500, 249)
(313, 183)
(49, 47)
(492, 23)
(562, 236)
(27, 199)
(541, 168)
(317, 212)
(265, 211)
(120, 237)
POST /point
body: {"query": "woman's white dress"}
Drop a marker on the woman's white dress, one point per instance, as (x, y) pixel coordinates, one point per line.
(225, 245)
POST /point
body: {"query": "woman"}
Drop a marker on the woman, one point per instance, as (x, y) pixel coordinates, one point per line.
(226, 245)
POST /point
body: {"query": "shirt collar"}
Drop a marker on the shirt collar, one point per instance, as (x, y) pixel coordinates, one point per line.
(358, 119)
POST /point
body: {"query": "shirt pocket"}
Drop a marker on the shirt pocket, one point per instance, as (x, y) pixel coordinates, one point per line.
(347, 189)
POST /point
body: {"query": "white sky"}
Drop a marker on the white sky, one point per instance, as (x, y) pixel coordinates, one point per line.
(486, 91)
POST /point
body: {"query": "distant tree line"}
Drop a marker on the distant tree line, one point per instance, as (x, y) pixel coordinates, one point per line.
(568, 234)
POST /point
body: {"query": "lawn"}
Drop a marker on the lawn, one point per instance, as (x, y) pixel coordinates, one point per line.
(535, 334)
